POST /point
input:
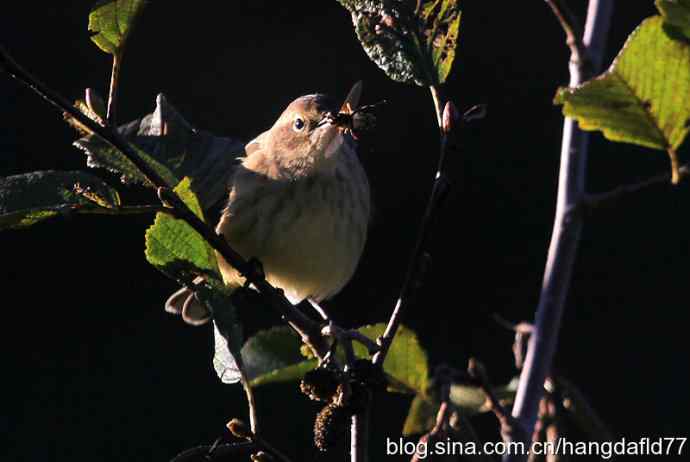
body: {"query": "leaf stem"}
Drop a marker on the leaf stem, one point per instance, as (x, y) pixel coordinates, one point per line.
(675, 166)
(439, 101)
(565, 237)
(251, 400)
(111, 117)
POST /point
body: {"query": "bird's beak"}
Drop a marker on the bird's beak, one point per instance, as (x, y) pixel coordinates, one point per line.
(340, 119)
(352, 101)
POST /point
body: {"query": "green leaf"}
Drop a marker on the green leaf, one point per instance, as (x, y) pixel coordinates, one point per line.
(406, 361)
(273, 355)
(33, 197)
(472, 400)
(676, 15)
(175, 248)
(643, 98)
(422, 415)
(409, 45)
(112, 21)
(174, 149)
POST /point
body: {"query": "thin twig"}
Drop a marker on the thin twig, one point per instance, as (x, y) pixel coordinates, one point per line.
(209, 453)
(125, 210)
(582, 412)
(605, 199)
(438, 433)
(572, 30)
(350, 335)
(441, 425)
(413, 266)
(240, 430)
(565, 237)
(508, 423)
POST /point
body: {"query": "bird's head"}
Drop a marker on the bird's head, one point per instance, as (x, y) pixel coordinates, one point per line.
(307, 138)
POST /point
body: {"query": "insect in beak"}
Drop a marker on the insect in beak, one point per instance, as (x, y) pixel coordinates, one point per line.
(351, 118)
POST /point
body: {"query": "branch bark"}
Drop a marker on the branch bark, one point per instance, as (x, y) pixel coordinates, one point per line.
(565, 236)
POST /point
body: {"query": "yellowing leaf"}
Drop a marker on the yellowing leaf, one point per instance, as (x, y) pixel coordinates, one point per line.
(643, 98)
(406, 361)
(411, 44)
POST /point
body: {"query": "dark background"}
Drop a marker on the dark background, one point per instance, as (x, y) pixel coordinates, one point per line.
(93, 369)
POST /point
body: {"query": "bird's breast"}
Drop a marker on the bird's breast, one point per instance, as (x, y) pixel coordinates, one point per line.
(309, 233)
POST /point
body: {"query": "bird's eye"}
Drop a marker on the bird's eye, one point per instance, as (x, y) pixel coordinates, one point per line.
(299, 124)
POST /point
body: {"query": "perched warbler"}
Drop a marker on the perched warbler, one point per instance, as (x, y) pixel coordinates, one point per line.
(298, 202)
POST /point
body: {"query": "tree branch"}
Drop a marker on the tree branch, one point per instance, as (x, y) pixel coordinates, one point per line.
(565, 237)
(251, 271)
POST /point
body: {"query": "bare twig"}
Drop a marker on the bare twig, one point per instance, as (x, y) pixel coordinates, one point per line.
(581, 411)
(439, 187)
(438, 433)
(216, 451)
(605, 199)
(509, 426)
(573, 32)
(565, 237)
(240, 430)
(522, 330)
(350, 335)
(125, 210)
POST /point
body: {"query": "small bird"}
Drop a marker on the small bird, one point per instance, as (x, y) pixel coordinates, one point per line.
(299, 202)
